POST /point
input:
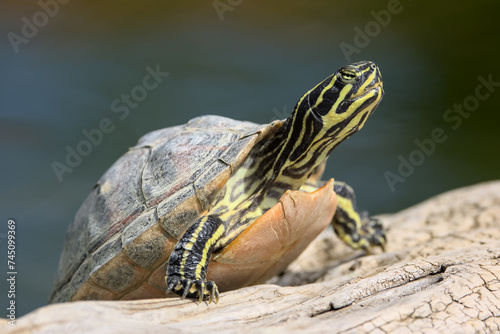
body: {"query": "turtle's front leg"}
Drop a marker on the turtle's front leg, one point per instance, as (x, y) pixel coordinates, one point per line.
(187, 267)
(355, 227)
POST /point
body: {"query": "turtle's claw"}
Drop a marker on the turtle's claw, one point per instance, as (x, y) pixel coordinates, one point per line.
(200, 287)
(213, 292)
(187, 288)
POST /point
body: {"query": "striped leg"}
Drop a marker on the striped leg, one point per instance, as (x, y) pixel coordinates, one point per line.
(187, 267)
(355, 227)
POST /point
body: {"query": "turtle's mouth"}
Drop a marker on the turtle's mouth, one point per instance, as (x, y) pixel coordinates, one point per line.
(372, 90)
(377, 86)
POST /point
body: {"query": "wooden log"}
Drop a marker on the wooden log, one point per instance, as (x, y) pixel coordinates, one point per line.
(440, 273)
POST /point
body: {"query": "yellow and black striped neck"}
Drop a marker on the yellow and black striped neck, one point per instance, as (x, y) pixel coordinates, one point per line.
(324, 117)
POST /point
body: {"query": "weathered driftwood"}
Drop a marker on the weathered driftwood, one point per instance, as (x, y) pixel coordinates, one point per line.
(440, 273)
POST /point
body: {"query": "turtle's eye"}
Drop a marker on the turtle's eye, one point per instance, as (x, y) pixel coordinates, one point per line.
(348, 76)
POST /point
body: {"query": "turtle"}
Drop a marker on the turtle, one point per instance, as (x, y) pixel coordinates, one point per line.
(218, 204)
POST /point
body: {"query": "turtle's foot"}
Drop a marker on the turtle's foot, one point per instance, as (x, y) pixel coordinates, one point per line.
(372, 232)
(200, 289)
(361, 231)
(356, 228)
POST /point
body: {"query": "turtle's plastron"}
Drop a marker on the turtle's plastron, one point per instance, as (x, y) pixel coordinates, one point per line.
(277, 238)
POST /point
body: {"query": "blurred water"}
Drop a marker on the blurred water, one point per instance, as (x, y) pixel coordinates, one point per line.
(253, 65)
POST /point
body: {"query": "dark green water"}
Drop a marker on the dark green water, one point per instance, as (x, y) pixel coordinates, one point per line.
(62, 78)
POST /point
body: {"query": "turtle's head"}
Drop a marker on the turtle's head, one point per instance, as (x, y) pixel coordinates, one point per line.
(331, 112)
(340, 105)
(325, 116)
(345, 99)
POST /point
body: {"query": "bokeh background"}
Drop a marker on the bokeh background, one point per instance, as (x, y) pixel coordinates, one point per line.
(246, 60)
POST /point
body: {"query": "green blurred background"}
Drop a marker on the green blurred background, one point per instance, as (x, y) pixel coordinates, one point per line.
(246, 60)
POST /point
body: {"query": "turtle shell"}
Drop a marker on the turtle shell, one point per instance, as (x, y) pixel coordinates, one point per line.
(120, 241)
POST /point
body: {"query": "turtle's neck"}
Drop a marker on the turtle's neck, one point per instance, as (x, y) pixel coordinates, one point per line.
(288, 159)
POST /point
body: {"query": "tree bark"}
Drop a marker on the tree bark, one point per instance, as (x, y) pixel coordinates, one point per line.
(440, 273)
